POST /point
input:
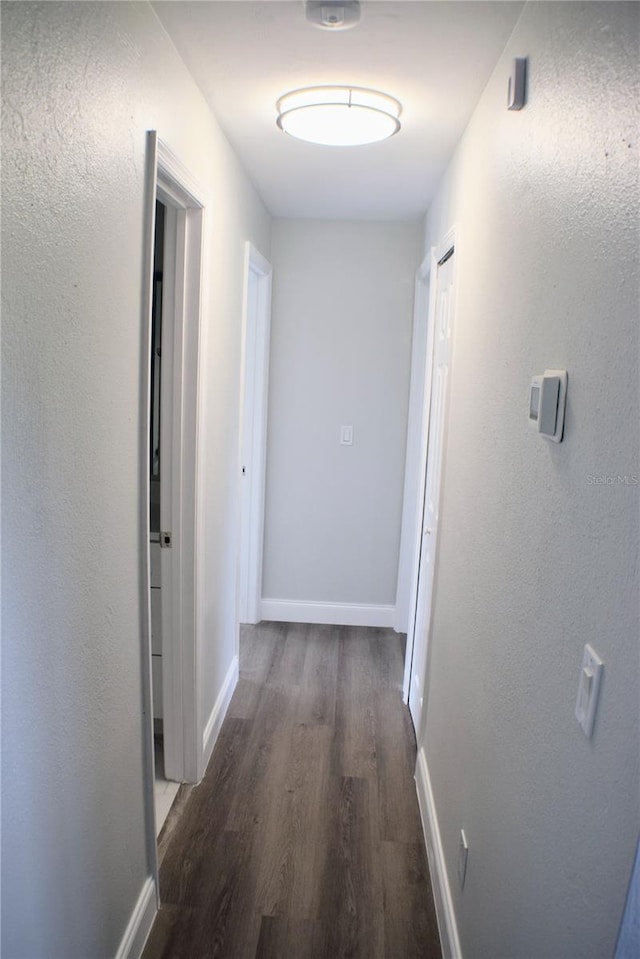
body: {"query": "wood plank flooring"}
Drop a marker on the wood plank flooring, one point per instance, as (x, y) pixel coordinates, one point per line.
(303, 841)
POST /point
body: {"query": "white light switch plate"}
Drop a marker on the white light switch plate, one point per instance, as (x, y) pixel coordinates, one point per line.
(588, 689)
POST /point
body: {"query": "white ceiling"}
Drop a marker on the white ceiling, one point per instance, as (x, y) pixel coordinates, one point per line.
(435, 57)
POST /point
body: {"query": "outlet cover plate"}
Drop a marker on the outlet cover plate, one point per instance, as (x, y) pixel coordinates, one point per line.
(346, 435)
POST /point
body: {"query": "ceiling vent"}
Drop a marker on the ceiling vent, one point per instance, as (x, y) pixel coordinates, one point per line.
(333, 14)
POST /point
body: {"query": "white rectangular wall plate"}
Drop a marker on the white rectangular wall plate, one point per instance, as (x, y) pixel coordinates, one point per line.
(547, 402)
(588, 689)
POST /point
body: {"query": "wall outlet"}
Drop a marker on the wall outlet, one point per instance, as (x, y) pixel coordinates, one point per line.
(463, 852)
(346, 435)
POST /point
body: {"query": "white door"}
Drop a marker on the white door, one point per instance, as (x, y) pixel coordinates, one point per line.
(412, 501)
(248, 613)
(253, 445)
(443, 328)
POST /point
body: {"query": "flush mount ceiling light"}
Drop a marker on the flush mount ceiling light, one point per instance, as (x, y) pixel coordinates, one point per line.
(339, 116)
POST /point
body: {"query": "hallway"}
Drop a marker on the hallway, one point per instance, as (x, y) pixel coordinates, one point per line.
(304, 838)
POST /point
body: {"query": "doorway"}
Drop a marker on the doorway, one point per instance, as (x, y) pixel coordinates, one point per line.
(160, 403)
(170, 566)
(441, 318)
(253, 435)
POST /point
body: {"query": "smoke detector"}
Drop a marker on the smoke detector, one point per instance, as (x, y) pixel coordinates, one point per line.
(333, 14)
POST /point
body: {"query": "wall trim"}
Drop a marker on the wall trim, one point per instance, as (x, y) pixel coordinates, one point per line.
(326, 614)
(218, 713)
(140, 922)
(445, 913)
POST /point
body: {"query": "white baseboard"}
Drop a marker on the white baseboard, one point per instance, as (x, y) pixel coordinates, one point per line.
(218, 713)
(140, 923)
(445, 912)
(326, 614)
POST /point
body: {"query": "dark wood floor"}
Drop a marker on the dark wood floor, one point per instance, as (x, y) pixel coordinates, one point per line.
(304, 840)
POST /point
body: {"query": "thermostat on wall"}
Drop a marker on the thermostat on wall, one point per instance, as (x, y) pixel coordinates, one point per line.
(547, 400)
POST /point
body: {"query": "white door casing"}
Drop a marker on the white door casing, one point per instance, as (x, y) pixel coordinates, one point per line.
(253, 439)
(413, 496)
(443, 316)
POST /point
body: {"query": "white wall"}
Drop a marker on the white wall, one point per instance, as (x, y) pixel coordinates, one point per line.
(340, 354)
(82, 83)
(537, 558)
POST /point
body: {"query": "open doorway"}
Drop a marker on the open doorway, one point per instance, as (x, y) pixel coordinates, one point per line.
(160, 396)
(170, 502)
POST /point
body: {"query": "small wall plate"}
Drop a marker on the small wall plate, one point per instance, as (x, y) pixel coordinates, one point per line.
(517, 84)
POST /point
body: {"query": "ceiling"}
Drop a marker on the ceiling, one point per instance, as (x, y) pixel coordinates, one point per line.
(435, 57)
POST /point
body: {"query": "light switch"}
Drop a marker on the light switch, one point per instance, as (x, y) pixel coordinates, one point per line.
(588, 689)
(346, 435)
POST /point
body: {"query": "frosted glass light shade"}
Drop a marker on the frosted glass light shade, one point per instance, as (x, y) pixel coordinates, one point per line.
(338, 116)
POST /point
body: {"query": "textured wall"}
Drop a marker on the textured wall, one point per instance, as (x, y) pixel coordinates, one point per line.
(81, 85)
(536, 556)
(341, 339)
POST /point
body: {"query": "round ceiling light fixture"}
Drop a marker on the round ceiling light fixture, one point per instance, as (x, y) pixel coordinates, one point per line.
(339, 116)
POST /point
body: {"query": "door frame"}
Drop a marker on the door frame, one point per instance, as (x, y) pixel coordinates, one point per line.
(168, 180)
(421, 351)
(415, 622)
(252, 449)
